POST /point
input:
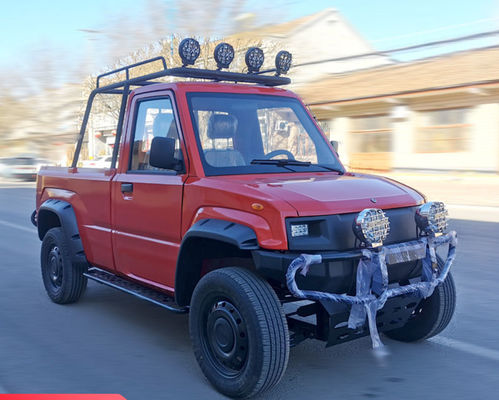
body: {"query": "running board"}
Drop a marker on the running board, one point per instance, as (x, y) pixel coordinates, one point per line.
(137, 290)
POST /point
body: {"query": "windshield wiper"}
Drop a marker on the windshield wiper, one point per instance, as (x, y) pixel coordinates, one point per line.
(339, 171)
(283, 162)
(280, 162)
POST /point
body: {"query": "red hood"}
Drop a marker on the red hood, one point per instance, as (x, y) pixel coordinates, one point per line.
(337, 194)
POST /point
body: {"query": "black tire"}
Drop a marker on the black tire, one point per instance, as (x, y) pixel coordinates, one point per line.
(239, 332)
(431, 316)
(63, 280)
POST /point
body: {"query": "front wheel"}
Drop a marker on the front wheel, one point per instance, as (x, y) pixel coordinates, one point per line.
(239, 332)
(431, 316)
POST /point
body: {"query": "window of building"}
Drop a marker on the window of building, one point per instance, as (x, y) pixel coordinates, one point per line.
(370, 134)
(443, 131)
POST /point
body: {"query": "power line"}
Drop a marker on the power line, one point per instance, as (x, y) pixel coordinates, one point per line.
(443, 28)
(402, 49)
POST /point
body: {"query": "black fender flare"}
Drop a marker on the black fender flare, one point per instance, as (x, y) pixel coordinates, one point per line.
(66, 220)
(187, 273)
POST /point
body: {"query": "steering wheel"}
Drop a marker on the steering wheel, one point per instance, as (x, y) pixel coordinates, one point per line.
(278, 152)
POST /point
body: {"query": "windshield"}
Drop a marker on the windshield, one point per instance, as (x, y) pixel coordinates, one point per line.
(246, 133)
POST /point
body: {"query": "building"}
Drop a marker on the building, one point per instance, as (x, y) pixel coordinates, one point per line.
(317, 37)
(49, 126)
(439, 114)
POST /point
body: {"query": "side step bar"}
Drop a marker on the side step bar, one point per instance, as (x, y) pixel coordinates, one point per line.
(137, 290)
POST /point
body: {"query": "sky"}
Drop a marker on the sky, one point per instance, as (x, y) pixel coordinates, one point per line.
(31, 28)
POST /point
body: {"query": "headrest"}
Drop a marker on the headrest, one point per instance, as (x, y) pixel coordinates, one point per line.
(221, 126)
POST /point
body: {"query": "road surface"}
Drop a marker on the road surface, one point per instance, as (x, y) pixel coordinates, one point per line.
(111, 342)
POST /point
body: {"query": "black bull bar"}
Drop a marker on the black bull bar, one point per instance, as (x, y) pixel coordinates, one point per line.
(372, 290)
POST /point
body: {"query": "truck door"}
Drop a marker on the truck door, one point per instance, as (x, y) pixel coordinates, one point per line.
(146, 201)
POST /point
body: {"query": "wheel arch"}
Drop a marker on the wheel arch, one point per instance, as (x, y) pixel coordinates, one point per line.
(59, 213)
(209, 239)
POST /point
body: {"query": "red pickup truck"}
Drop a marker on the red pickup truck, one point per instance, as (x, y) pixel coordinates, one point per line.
(227, 201)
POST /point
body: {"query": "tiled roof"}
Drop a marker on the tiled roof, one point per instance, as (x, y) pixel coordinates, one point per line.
(450, 70)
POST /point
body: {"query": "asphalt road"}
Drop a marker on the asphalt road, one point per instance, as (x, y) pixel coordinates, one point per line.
(111, 342)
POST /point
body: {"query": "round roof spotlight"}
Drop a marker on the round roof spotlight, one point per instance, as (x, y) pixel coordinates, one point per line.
(432, 217)
(283, 62)
(189, 50)
(371, 226)
(254, 59)
(224, 54)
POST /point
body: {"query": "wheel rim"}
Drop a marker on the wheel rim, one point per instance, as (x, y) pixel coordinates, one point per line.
(55, 267)
(225, 338)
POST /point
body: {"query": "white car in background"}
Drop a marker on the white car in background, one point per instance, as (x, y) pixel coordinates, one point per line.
(21, 167)
(101, 162)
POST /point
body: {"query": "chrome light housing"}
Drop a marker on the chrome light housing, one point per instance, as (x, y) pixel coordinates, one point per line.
(432, 217)
(371, 226)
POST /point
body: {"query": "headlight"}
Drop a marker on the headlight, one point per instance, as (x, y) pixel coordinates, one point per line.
(189, 50)
(224, 54)
(299, 230)
(432, 217)
(283, 62)
(254, 59)
(371, 226)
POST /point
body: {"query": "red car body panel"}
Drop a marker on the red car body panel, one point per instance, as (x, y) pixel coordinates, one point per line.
(139, 235)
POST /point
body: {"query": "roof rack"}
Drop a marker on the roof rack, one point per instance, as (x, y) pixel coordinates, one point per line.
(189, 50)
(186, 72)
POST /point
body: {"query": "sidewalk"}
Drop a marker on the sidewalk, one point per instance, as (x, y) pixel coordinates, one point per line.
(454, 189)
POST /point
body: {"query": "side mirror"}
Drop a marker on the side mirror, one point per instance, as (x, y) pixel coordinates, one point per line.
(162, 154)
(334, 143)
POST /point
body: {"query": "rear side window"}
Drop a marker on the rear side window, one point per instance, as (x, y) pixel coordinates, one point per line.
(154, 118)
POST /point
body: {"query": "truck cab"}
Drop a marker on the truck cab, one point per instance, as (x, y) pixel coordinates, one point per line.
(225, 199)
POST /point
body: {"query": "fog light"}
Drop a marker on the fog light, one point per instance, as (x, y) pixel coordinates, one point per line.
(432, 217)
(371, 226)
(299, 230)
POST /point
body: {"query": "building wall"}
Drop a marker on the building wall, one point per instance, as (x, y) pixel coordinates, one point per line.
(482, 149)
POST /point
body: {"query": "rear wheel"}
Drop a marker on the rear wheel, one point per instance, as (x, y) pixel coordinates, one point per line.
(63, 279)
(239, 332)
(431, 316)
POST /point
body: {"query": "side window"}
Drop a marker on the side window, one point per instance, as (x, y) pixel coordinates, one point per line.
(154, 118)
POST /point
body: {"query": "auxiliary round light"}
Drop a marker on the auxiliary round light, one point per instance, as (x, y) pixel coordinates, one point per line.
(224, 54)
(189, 50)
(283, 62)
(371, 226)
(432, 217)
(254, 59)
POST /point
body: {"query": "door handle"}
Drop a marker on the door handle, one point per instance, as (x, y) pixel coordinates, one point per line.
(127, 187)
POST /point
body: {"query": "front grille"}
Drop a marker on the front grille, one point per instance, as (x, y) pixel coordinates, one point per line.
(334, 232)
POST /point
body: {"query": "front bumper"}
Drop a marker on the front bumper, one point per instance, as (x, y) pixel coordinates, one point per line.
(347, 286)
(372, 282)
